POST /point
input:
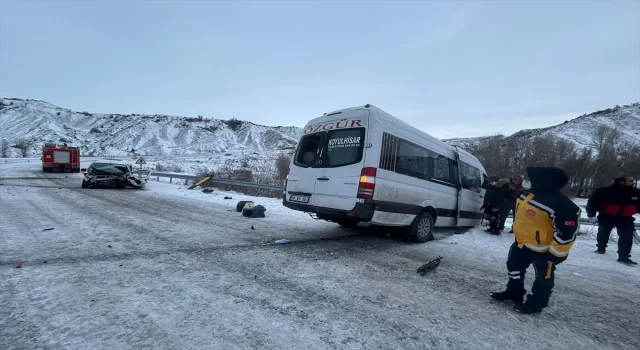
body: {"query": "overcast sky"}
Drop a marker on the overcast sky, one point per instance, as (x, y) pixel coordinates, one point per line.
(453, 69)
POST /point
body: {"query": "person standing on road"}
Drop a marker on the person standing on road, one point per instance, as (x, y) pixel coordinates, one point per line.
(545, 227)
(491, 204)
(617, 204)
(511, 190)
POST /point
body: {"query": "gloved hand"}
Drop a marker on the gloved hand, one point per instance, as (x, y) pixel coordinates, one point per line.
(592, 219)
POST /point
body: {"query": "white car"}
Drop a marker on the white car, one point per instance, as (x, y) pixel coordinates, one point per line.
(362, 164)
(110, 173)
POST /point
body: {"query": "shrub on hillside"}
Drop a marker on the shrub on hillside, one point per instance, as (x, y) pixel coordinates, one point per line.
(282, 166)
(192, 119)
(233, 124)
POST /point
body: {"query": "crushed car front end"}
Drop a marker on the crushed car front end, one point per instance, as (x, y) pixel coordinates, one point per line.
(109, 175)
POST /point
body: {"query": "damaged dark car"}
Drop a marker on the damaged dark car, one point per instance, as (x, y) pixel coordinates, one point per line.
(111, 174)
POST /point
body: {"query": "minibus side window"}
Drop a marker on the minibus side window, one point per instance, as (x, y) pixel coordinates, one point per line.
(412, 160)
(443, 171)
(471, 177)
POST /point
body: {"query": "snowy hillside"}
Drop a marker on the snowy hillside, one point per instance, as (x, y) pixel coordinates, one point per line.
(469, 143)
(581, 130)
(117, 134)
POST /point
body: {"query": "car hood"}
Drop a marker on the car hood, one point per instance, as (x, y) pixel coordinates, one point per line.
(108, 170)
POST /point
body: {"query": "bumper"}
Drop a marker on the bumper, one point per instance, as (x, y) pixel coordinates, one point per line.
(114, 181)
(361, 211)
(61, 165)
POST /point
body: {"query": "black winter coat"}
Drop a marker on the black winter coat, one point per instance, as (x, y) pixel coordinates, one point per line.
(492, 197)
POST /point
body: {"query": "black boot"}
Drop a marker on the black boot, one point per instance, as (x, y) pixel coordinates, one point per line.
(627, 261)
(503, 296)
(600, 251)
(526, 308)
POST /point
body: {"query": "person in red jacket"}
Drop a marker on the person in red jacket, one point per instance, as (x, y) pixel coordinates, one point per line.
(616, 204)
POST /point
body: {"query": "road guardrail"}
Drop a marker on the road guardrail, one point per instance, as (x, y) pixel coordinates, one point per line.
(214, 180)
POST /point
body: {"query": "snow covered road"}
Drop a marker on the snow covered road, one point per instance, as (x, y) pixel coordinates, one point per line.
(168, 268)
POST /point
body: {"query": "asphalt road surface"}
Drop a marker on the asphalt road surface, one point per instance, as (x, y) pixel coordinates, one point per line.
(136, 269)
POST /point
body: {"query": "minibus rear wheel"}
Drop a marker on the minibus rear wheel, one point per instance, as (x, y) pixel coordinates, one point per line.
(422, 228)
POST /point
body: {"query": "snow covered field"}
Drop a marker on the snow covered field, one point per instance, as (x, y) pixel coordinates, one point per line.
(171, 268)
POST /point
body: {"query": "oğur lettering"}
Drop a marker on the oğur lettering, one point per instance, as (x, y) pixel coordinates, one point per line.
(340, 124)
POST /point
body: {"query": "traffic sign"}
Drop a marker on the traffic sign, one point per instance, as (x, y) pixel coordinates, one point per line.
(140, 161)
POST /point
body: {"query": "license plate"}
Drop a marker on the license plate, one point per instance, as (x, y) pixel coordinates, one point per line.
(301, 199)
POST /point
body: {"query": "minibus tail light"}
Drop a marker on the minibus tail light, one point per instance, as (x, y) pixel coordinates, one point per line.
(367, 183)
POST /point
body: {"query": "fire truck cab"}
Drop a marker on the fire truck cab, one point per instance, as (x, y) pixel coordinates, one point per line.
(60, 157)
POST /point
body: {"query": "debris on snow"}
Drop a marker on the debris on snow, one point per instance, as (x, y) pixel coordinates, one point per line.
(48, 229)
(19, 266)
(247, 210)
(251, 211)
(109, 246)
(227, 197)
(207, 190)
(283, 241)
(253, 228)
(430, 266)
(257, 211)
(241, 205)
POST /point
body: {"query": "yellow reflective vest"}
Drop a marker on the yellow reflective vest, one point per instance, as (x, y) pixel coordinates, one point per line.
(546, 222)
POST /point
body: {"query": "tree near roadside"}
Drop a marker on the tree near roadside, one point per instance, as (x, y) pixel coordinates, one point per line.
(4, 148)
(23, 145)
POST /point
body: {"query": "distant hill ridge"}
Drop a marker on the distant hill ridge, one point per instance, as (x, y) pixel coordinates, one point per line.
(580, 131)
(99, 134)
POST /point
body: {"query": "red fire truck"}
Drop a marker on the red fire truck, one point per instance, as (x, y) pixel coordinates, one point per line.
(63, 158)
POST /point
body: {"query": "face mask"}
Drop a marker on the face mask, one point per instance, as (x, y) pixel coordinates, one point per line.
(526, 184)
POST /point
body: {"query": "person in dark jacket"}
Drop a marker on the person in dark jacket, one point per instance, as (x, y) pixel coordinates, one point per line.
(545, 228)
(511, 189)
(491, 204)
(617, 204)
